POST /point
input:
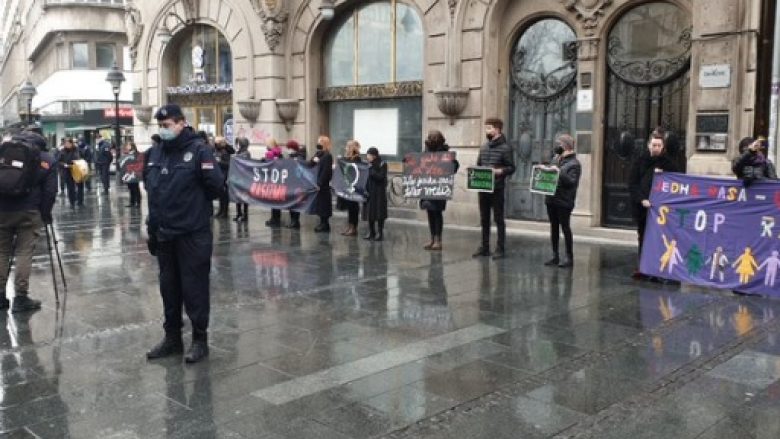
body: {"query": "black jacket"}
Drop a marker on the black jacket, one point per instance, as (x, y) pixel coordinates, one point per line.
(437, 205)
(640, 181)
(223, 158)
(749, 167)
(568, 181)
(182, 178)
(103, 153)
(323, 204)
(376, 207)
(498, 154)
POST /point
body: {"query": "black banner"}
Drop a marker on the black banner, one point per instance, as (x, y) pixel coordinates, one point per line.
(349, 180)
(429, 175)
(279, 184)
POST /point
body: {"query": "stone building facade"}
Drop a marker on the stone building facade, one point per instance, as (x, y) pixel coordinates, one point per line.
(386, 71)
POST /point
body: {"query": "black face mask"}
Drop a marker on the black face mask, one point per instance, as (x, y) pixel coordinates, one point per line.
(489, 136)
(319, 147)
(558, 150)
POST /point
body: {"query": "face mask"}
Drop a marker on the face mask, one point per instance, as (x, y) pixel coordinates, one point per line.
(167, 134)
(558, 150)
(489, 136)
(319, 147)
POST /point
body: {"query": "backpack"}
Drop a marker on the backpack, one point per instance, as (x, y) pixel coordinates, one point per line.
(19, 164)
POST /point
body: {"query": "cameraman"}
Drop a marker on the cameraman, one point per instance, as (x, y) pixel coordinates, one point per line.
(752, 164)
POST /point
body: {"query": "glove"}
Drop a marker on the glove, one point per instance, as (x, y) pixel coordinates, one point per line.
(47, 218)
(152, 244)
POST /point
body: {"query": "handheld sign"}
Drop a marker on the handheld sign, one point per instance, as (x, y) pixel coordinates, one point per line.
(544, 180)
(480, 179)
(429, 175)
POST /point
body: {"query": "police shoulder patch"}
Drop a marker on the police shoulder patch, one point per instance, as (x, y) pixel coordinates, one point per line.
(188, 156)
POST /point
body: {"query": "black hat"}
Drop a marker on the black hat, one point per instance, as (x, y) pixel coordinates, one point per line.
(168, 112)
(373, 151)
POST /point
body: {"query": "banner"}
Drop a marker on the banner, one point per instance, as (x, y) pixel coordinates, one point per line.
(714, 232)
(131, 168)
(349, 180)
(278, 184)
(544, 180)
(480, 179)
(429, 175)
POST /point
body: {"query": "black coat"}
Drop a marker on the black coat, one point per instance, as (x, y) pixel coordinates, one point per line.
(568, 181)
(497, 154)
(323, 204)
(642, 172)
(749, 167)
(437, 205)
(376, 207)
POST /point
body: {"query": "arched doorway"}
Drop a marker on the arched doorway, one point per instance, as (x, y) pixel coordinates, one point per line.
(200, 78)
(648, 85)
(542, 101)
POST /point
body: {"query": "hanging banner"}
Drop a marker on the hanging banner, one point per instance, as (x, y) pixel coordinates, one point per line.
(429, 175)
(131, 167)
(714, 232)
(544, 179)
(349, 180)
(278, 184)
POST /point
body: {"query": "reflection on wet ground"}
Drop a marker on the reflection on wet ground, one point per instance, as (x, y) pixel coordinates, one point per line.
(316, 336)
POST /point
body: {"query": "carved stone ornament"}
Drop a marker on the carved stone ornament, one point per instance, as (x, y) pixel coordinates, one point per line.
(405, 89)
(191, 9)
(143, 113)
(452, 101)
(589, 12)
(250, 110)
(288, 111)
(453, 4)
(273, 21)
(134, 29)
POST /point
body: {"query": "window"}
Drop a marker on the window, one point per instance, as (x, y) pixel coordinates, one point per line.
(80, 55)
(208, 48)
(106, 55)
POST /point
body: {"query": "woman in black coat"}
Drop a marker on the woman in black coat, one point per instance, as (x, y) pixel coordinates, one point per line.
(323, 204)
(376, 207)
(435, 208)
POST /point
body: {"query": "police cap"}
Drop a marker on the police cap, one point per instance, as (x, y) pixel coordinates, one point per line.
(170, 111)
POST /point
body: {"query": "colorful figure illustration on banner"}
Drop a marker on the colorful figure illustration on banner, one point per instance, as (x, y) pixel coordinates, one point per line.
(694, 260)
(719, 262)
(745, 266)
(671, 256)
(771, 263)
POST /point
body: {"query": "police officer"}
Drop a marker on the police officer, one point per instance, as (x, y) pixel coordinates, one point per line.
(22, 218)
(103, 162)
(182, 180)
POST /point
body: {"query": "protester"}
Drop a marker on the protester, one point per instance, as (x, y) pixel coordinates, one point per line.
(85, 151)
(222, 152)
(496, 153)
(103, 162)
(131, 154)
(60, 171)
(752, 164)
(179, 228)
(242, 209)
(295, 152)
(21, 219)
(75, 190)
(435, 142)
(561, 204)
(323, 204)
(273, 152)
(351, 155)
(646, 164)
(376, 207)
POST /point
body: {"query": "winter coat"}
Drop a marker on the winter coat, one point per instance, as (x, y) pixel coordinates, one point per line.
(67, 156)
(323, 204)
(497, 154)
(750, 167)
(376, 207)
(568, 181)
(643, 169)
(223, 158)
(437, 205)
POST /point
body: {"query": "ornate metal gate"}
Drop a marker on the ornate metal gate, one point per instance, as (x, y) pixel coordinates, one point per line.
(648, 83)
(543, 95)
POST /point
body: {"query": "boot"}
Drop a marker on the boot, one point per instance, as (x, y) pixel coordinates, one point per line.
(371, 233)
(436, 244)
(198, 350)
(499, 254)
(380, 232)
(170, 345)
(24, 303)
(554, 261)
(567, 262)
(295, 224)
(481, 252)
(237, 218)
(322, 228)
(273, 223)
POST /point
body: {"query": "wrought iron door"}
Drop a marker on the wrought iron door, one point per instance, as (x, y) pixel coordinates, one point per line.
(543, 93)
(648, 86)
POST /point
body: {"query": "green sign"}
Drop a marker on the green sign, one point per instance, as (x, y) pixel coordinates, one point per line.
(480, 179)
(544, 180)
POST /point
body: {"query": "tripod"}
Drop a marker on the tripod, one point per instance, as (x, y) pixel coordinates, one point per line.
(52, 237)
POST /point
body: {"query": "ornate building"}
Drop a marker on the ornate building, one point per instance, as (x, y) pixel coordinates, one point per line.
(386, 71)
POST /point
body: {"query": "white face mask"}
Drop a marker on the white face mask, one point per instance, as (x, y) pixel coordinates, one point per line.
(167, 134)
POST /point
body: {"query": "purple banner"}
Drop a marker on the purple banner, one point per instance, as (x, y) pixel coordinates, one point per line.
(714, 232)
(278, 184)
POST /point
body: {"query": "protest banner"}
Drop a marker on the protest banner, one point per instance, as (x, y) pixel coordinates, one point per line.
(714, 232)
(131, 167)
(349, 180)
(480, 179)
(544, 180)
(429, 175)
(278, 184)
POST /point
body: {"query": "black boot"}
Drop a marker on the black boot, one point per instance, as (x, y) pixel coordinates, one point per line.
(170, 345)
(380, 231)
(554, 261)
(567, 262)
(198, 350)
(371, 235)
(24, 303)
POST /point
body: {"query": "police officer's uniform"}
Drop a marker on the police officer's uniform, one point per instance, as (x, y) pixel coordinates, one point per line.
(182, 179)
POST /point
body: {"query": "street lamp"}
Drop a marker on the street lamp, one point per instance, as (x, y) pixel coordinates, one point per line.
(327, 9)
(28, 92)
(115, 77)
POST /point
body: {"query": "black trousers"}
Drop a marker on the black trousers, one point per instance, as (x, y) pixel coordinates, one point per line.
(185, 263)
(353, 212)
(135, 193)
(436, 222)
(560, 219)
(492, 201)
(295, 217)
(75, 191)
(640, 216)
(242, 209)
(104, 174)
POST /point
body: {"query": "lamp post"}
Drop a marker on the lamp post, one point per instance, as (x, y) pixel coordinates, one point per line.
(115, 77)
(28, 92)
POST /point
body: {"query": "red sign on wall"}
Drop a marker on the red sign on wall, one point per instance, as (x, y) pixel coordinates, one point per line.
(123, 112)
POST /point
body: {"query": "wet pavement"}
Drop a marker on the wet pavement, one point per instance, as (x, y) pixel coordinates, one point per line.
(322, 336)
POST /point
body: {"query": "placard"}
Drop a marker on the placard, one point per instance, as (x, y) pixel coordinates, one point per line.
(480, 179)
(544, 180)
(377, 127)
(429, 175)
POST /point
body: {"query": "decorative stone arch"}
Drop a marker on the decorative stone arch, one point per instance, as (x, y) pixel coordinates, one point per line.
(221, 15)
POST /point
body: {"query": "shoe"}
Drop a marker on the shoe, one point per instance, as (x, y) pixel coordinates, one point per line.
(294, 225)
(370, 236)
(322, 228)
(351, 231)
(197, 352)
(170, 345)
(637, 275)
(272, 223)
(553, 261)
(499, 254)
(429, 245)
(5, 303)
(24, 303)
(436, 245)
(481, 252)
(566, 263)
(379, 237)
(237, 218)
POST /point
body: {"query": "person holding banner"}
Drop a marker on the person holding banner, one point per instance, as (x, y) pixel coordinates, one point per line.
(273, 152)
(222, 152)
(561, 205)
(130, 155)
(242, 209)
(646, 164)
(295, 152)
(323, 204)
(496, 153)
(752, 164)
(376, 207)
(435, 142)
(351, 155)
